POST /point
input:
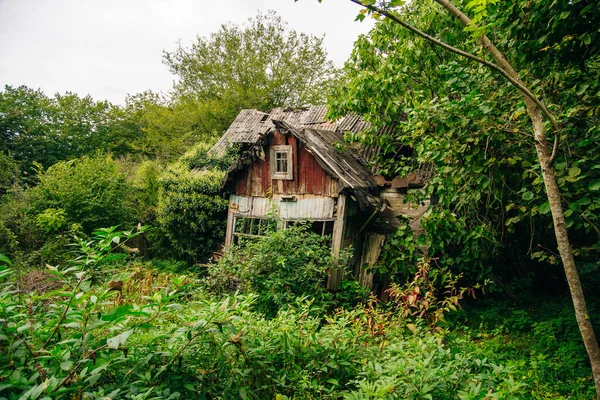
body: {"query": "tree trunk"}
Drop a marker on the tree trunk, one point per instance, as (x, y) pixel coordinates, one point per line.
(553, 192)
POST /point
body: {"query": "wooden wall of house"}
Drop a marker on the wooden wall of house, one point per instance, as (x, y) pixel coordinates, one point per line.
(309, 177)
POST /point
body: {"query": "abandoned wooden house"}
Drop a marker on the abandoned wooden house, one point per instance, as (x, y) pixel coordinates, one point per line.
(295, 166)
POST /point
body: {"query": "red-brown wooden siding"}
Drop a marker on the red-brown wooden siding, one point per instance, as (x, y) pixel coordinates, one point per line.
(309, 177)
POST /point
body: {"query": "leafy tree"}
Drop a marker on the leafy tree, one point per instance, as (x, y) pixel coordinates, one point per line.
(166, 128)
(492, 18)
(35, 128)
(259, 65)
(9, 173)
(90, 191)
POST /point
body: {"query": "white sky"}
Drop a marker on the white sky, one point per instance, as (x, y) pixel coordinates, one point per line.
(109, 48)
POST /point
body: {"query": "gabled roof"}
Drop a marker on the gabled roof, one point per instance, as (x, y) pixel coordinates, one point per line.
(250, 125)
(344, 164)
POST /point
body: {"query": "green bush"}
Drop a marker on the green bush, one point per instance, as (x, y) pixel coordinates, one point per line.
(284, 265)
(144, 181)
(9, 173)
(192, 212)
(198, 157)
(19, 231)
(96, 337)
(92, 191)
(539, 341)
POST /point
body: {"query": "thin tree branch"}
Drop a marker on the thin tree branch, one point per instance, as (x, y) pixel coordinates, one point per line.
(74, 370)
(554, 148)
(514, 82)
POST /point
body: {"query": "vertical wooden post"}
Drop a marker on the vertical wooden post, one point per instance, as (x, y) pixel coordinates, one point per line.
(337, 239)
(230, 227)
(371, 251)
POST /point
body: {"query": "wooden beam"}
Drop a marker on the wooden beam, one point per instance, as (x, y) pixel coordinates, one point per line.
(230, 227)
(336, 274)
(371, 251)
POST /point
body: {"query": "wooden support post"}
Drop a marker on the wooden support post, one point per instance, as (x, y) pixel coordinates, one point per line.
(371, 251)
(230, 228)
(337, 239)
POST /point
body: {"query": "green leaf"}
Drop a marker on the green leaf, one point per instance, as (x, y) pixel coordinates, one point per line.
(119, 340)
(574, 171)
(189, 387)
(582, 88)
(5, 260)
(544, 208)
(527, 195)
(66, 365)
(594, 185)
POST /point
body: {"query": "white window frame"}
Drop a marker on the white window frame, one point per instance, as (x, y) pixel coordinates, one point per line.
(287, 149)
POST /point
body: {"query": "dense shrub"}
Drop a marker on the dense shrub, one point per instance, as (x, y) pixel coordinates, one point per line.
(539, 340)
(19, 231)
(192, 212)
(99, 335)
(92, 192)
(9, 173)
(280, 267)
(144, 181)
(199, 158)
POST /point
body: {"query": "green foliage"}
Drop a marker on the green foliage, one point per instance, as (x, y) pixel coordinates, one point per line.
(144, 182)
(487, 196)
(9, 173)
(51, 219)
(37, 128)
(284, 265)
(166, 127)
(259, 65)
(96, 336)
(539, 340)
(92, 191)
(18, 229)
(199, 158)
(192, 211)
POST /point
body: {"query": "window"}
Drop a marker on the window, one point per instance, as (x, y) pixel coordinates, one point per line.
(248, 228)
(282, 163)
(322, 227)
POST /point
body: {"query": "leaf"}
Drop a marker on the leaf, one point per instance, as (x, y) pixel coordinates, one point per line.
(574, 171)
(527, 195)
(594, 185)
(412, 328)
(582, 88)
(544, 208)
(119, 340)
(5, 260)
(189, 387)
(66, 365)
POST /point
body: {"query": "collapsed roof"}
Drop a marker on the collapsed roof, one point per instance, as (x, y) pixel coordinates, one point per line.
(345, 165)
(251, 125)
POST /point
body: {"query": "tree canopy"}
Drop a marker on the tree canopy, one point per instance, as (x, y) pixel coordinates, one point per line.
(261, 65)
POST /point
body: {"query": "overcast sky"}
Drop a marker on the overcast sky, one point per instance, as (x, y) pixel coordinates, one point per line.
(109, 48)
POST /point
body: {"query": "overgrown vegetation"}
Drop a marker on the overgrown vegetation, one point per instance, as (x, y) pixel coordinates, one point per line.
(140, 312)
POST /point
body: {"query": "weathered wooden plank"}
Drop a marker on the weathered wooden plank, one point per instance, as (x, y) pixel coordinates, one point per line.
(229, 229)
(371, 252)
(336, 274)
(315, 208)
